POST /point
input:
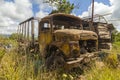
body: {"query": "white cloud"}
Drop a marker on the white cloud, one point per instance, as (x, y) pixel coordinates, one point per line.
(13, 12)
(101, 9)
(41, 14)
(1, 2)
(116, 9)
(44, 8)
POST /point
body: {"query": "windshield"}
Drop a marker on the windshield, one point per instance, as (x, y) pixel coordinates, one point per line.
(66, 23)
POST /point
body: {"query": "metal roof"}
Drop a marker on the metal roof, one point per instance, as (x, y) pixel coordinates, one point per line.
(61, 15)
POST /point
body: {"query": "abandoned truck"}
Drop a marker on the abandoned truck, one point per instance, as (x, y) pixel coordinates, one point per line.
(61, 40)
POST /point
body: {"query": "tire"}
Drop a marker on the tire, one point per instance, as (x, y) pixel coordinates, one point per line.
(54, 61)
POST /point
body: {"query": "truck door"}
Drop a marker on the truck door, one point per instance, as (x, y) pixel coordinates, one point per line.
(45, 35)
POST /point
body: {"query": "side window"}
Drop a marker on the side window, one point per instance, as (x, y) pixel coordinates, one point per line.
(45, 26)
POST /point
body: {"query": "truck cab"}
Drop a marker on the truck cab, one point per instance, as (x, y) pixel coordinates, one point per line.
(60, 40)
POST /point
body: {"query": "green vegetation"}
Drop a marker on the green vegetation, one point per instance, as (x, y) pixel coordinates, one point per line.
(104, 73)
(107, 69)
(116, 36)
(14, 66)
(14, 36)
(63, 6)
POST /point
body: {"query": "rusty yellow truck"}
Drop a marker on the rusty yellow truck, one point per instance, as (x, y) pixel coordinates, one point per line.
(61, 39)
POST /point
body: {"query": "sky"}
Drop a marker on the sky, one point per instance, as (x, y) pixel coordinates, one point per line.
(12, 12)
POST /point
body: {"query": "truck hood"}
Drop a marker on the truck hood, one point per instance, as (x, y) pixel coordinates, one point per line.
(76, 34)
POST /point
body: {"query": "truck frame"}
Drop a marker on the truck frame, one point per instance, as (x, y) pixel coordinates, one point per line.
(62, 40)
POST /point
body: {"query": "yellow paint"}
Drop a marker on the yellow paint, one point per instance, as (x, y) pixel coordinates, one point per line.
(97, 45)
(66, 49)
(45, 38)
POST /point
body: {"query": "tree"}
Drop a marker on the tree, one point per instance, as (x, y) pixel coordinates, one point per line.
(63, 6)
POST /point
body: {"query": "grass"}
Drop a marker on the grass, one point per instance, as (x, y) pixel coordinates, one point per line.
(116, 47)
(110, 69)
(17, 67)
(14, 66)
(104, 73)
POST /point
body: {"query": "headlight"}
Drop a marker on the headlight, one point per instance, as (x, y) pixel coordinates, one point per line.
(74, 48)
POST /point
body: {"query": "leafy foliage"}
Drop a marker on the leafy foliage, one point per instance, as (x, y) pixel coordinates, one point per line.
(14, 36)
(63, 6)
(116, 36)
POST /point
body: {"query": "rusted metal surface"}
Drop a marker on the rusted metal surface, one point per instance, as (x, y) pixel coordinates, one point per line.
(102, 28)
(62, 15)
(67, 38)
(62, 35)
(97, 18)
(25, 27)
(32, 30)
(25, 30)
(32, 18)
(22, 29)
(74, 34)
(91, 23)
(26, 42)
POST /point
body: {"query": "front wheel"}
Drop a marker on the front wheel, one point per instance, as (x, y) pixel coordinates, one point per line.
(54, 61)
